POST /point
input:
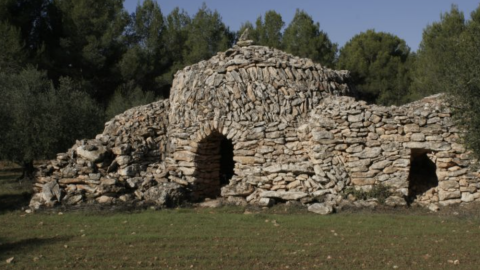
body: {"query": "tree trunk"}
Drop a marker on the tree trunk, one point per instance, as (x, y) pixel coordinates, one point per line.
(27, 171)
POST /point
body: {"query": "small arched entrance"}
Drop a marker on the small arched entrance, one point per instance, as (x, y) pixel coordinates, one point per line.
(423, 174)
(214, 165)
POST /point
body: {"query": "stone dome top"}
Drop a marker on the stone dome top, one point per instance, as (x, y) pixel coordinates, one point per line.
(252, 83)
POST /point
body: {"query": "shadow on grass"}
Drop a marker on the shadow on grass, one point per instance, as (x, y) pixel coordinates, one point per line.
(14, 194)
(9, 249)
(12, 202)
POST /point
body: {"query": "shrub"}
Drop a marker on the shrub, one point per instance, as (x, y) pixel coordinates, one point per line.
(379, 192)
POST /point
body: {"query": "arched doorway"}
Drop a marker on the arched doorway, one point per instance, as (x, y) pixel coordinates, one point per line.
(423, 174)
(214, 165)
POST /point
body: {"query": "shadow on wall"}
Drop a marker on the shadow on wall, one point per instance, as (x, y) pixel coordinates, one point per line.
(422, 176)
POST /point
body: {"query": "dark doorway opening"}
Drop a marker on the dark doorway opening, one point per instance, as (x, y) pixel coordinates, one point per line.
(227, 165)
(422, 176)
(214, 166)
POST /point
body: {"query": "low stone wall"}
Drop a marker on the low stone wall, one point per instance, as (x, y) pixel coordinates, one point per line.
(414, 149)
(126, 159)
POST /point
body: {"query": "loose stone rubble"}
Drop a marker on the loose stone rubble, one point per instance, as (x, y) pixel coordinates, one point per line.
(296, 132)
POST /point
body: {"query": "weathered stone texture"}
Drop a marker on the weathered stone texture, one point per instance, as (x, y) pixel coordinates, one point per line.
(297, 135)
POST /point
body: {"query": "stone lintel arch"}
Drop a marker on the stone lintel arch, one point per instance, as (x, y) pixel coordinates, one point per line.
(214, 165)
(206, 158)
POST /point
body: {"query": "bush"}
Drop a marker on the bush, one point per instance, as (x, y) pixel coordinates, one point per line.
(38, 120)
(379, 192)
(126, 97)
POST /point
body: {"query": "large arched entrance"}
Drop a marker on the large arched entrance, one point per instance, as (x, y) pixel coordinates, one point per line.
(214, 165)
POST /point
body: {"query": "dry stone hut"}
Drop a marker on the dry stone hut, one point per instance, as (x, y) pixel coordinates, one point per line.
(256, 125)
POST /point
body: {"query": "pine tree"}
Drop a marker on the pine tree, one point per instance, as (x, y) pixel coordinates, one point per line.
(460, 70)
(269, 30)
(177, 24)
(37, 23)
(146, 56)
(91, 43)
(379, 63)
(304, 38)
(207, 35)
(436, 51)
(11, 48)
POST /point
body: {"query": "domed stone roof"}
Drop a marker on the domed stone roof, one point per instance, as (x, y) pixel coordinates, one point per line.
(252, 83)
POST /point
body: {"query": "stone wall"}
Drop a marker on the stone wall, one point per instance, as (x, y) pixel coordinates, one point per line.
(413, 149)
(253, 96)
(257, 125)
(126, 159)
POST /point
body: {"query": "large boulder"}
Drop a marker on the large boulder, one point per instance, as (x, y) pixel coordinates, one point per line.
(49, 196)
(93, 153)
(320, 208)
(165, 194)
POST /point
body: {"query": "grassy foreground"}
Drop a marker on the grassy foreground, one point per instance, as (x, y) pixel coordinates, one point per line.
(228, 239)
(232, 238)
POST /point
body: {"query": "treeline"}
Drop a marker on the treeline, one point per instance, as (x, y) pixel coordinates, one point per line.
(66, 66)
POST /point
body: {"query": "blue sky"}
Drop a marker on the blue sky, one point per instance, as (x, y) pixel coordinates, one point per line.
(340, 19)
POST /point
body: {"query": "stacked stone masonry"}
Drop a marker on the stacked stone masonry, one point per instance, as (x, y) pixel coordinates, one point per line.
(256, 125)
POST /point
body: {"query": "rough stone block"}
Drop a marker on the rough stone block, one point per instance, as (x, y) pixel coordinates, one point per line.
(411, 128)
(417, 137)
(369, 153)
(363, 181)
(467, 197)
(447, 195)
(447, 185)
(266, 202)
(380, 165)
(244, 160)
(93, 154)
(320, 208)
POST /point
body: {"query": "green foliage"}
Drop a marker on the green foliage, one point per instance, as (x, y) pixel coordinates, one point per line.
(37, 21)
(380, 64)
(436, 52)
(175, 38)
(304, 38)
(144, 59)
(462, 81)
(128, 96)
(95, 47)
(91, 43)
(379, 192)
(39, 120)
(207, 35)
(11, 48)
(149, 26)
(268, 31)
(252, 33)
(448, 61)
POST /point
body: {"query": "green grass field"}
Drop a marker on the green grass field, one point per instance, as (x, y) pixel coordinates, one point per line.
(235, 238)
